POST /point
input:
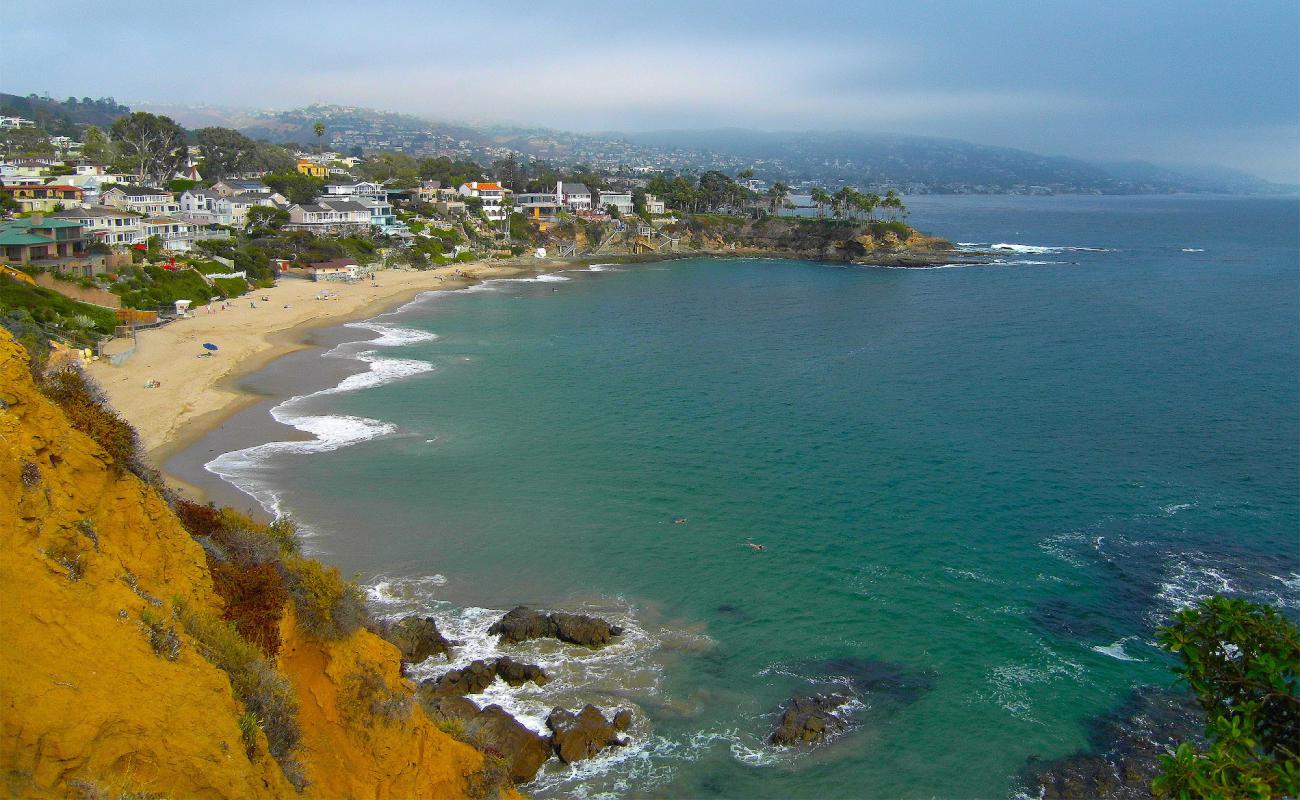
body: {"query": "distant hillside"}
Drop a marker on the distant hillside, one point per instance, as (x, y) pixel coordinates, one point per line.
(63, 117)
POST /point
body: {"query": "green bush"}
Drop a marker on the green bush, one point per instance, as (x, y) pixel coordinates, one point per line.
(1242, 661)
(329, 608)
(231, 287)
(88, 412)
(264, 693)
(48, 307)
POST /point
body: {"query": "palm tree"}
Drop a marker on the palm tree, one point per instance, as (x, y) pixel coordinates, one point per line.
(776, 195)
(868, 203)
(894, 202)
(319, 130)
(844, 202)
(821, 198)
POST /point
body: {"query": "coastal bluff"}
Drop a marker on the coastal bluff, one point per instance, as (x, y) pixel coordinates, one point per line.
(109, 678)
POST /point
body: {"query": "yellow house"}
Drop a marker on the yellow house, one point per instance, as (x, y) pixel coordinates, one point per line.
(313, 170)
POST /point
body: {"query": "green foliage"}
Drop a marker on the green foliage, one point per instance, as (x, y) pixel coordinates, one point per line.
(262, 220)
(294, 185)
(366, 696)
(154, 145)
(520, 230)
(1242, 661)
(230, 287)
(48, 307)
(87, 411)
(265, 693)
(160, 287)
(181, 184)
(329, 608)
(224, 151)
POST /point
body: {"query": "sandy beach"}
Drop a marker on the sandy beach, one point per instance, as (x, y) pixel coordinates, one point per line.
(194, 393)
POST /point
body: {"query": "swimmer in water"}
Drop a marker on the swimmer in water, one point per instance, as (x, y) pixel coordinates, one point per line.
(756, 545)
(679, 521)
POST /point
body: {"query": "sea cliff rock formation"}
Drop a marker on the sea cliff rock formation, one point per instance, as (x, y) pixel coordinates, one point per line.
(140, 657)
(522, 623)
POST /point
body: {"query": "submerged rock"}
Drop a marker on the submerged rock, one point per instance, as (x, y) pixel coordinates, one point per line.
(575, 737)
(1125, 750)
(517, 674)
(808, 720)
(522, 623)
(418, 638)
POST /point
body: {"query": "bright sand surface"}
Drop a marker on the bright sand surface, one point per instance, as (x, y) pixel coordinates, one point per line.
(194, 394)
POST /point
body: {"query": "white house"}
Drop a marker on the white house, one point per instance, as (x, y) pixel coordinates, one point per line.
(198, 201)
(141, 199)
(348, 191)
(538, 206)
(233, 186)
(110, 226)
(334, 216)
(574, 196)
(622, 201)
(178, 235)
(653, 205)
(492, 195)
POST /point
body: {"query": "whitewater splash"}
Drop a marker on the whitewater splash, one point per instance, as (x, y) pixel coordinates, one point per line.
(625, 674)
(249, 469)
(1037, 249)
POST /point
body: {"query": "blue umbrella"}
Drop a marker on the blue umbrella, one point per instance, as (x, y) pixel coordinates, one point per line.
(209, 346)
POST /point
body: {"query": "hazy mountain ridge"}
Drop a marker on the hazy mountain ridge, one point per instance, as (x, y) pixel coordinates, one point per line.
(916, 164)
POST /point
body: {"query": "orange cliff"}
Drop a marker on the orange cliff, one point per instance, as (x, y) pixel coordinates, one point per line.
(88, 708)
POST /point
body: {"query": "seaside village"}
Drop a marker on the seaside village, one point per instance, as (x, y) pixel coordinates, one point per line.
(130, 252)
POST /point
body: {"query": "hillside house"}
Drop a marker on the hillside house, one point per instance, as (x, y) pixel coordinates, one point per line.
(492, 195)
(573, 196)
(47, 197)
(104, 225)
(313, 170)
(140, 199)
(621, 201)
(42, 241)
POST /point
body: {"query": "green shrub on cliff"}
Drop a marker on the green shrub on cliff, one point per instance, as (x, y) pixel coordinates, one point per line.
(1242, 660)
(329, 608)
(264, 693)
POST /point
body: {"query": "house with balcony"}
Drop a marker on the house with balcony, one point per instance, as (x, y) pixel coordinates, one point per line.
(538, 206)
(45, 197)
(178, 235)
(104, 225)
(382, 218)
(198, 202)
(653, 205)
(621, 201)
(573, 196)
(492, 195)
(42, 241)
(329, 217)
(140, 199)
(358, 189)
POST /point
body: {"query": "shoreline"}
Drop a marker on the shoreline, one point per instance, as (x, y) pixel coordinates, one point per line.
(169, 422)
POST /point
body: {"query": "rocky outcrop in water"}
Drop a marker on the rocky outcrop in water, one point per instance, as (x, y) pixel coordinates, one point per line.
(418, 638)
(808, 720)
(575, 737)
(522, 623)
(480, 674)
(1125, 751)
(494, 731)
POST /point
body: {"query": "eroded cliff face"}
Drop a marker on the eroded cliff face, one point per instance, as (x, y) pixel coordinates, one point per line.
(102, 691)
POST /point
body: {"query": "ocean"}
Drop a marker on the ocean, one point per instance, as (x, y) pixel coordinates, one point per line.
(978, 489)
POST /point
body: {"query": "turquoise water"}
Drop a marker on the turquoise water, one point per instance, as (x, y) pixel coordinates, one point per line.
(978, 488)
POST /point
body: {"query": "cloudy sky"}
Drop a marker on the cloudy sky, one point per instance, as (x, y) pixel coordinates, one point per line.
(1188, 81)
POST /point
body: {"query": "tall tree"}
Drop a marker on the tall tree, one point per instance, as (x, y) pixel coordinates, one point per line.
(224, 151)
(319, 130)
(154, 145)
(821, 198)
(96, 146)
(776, 196)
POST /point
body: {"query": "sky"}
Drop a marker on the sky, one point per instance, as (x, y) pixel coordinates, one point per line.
(1174, 82)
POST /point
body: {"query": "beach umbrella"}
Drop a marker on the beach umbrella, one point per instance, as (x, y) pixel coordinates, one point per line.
(209, 346)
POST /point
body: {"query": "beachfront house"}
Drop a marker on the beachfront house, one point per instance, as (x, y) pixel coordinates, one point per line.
(653, 205)
(140, 199)
(42, 241)
(104, 225)
(178, 235)
(49, 197)
(339, 269)
(426, 192)
(573, 196)
(492, 195)
(198, 203)
(621, 201)
(329, 217)
(538, 206)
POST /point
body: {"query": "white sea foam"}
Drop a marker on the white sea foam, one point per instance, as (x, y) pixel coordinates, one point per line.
(1010, 685)
(601, 268)
(1044, 249)
(1116, 650)
(1174, 508)
(1193, 250)
(247, 469)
